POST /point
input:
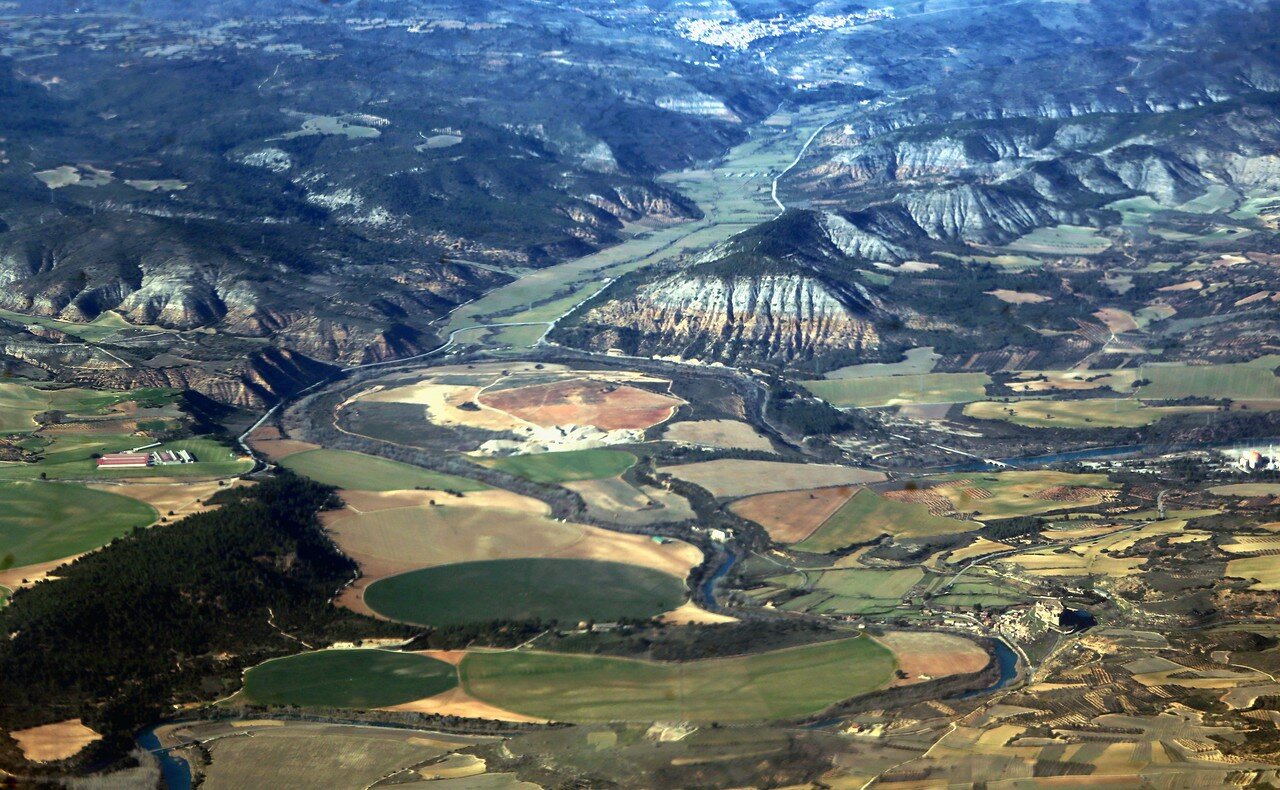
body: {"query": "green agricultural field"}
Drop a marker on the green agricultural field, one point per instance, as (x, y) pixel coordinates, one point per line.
(360, 472)
(1217, 198)
(856, 591)
(520, 337)
(1061, 240)
(1136, 211)
(1007, 494)
(1256, 206)
(567, 466)
(774, 685)
(917, 361)
(987, 594)
(42, 522)
(1250, 381)
(871, 391)
(104, 326)
(1247, 489)
(348, 679)
(70, 457)
(20, 402)
(1089, 413)
(732, 204)
(566, 590)
(868, 515)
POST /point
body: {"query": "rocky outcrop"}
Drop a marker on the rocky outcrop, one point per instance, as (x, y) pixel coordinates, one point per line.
(869, 240)
(711, 317)
(979, 214)
(259, 380)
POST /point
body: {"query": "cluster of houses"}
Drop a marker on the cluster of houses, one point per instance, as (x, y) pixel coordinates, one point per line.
(134, 459)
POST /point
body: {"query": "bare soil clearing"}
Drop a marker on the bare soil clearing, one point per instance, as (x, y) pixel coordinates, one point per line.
(727, 434)
(690, 613)
(457, 702)
(600, 404)
(52, 742)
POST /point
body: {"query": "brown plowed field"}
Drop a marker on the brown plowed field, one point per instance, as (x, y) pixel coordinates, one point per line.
(607, 406)
(269, 441)
(1074, 494)
(924, 655)
(792, 516)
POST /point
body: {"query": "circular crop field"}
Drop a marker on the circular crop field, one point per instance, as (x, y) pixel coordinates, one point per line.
(525, 589)
(41, 522)
(348, 679)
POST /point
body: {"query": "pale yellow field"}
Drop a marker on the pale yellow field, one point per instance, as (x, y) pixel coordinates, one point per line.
(58, 741)
(457, 702)
(615, 499)
(1094, 557)
(728, 477)
(1018, 297)
(978, 548)
(1049, 380)
(730, 434)
(1117, 320)
(1250, 544)
(449, 402)
(182, 499)
(501, 499)
(443, 404)
(1265, 570)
